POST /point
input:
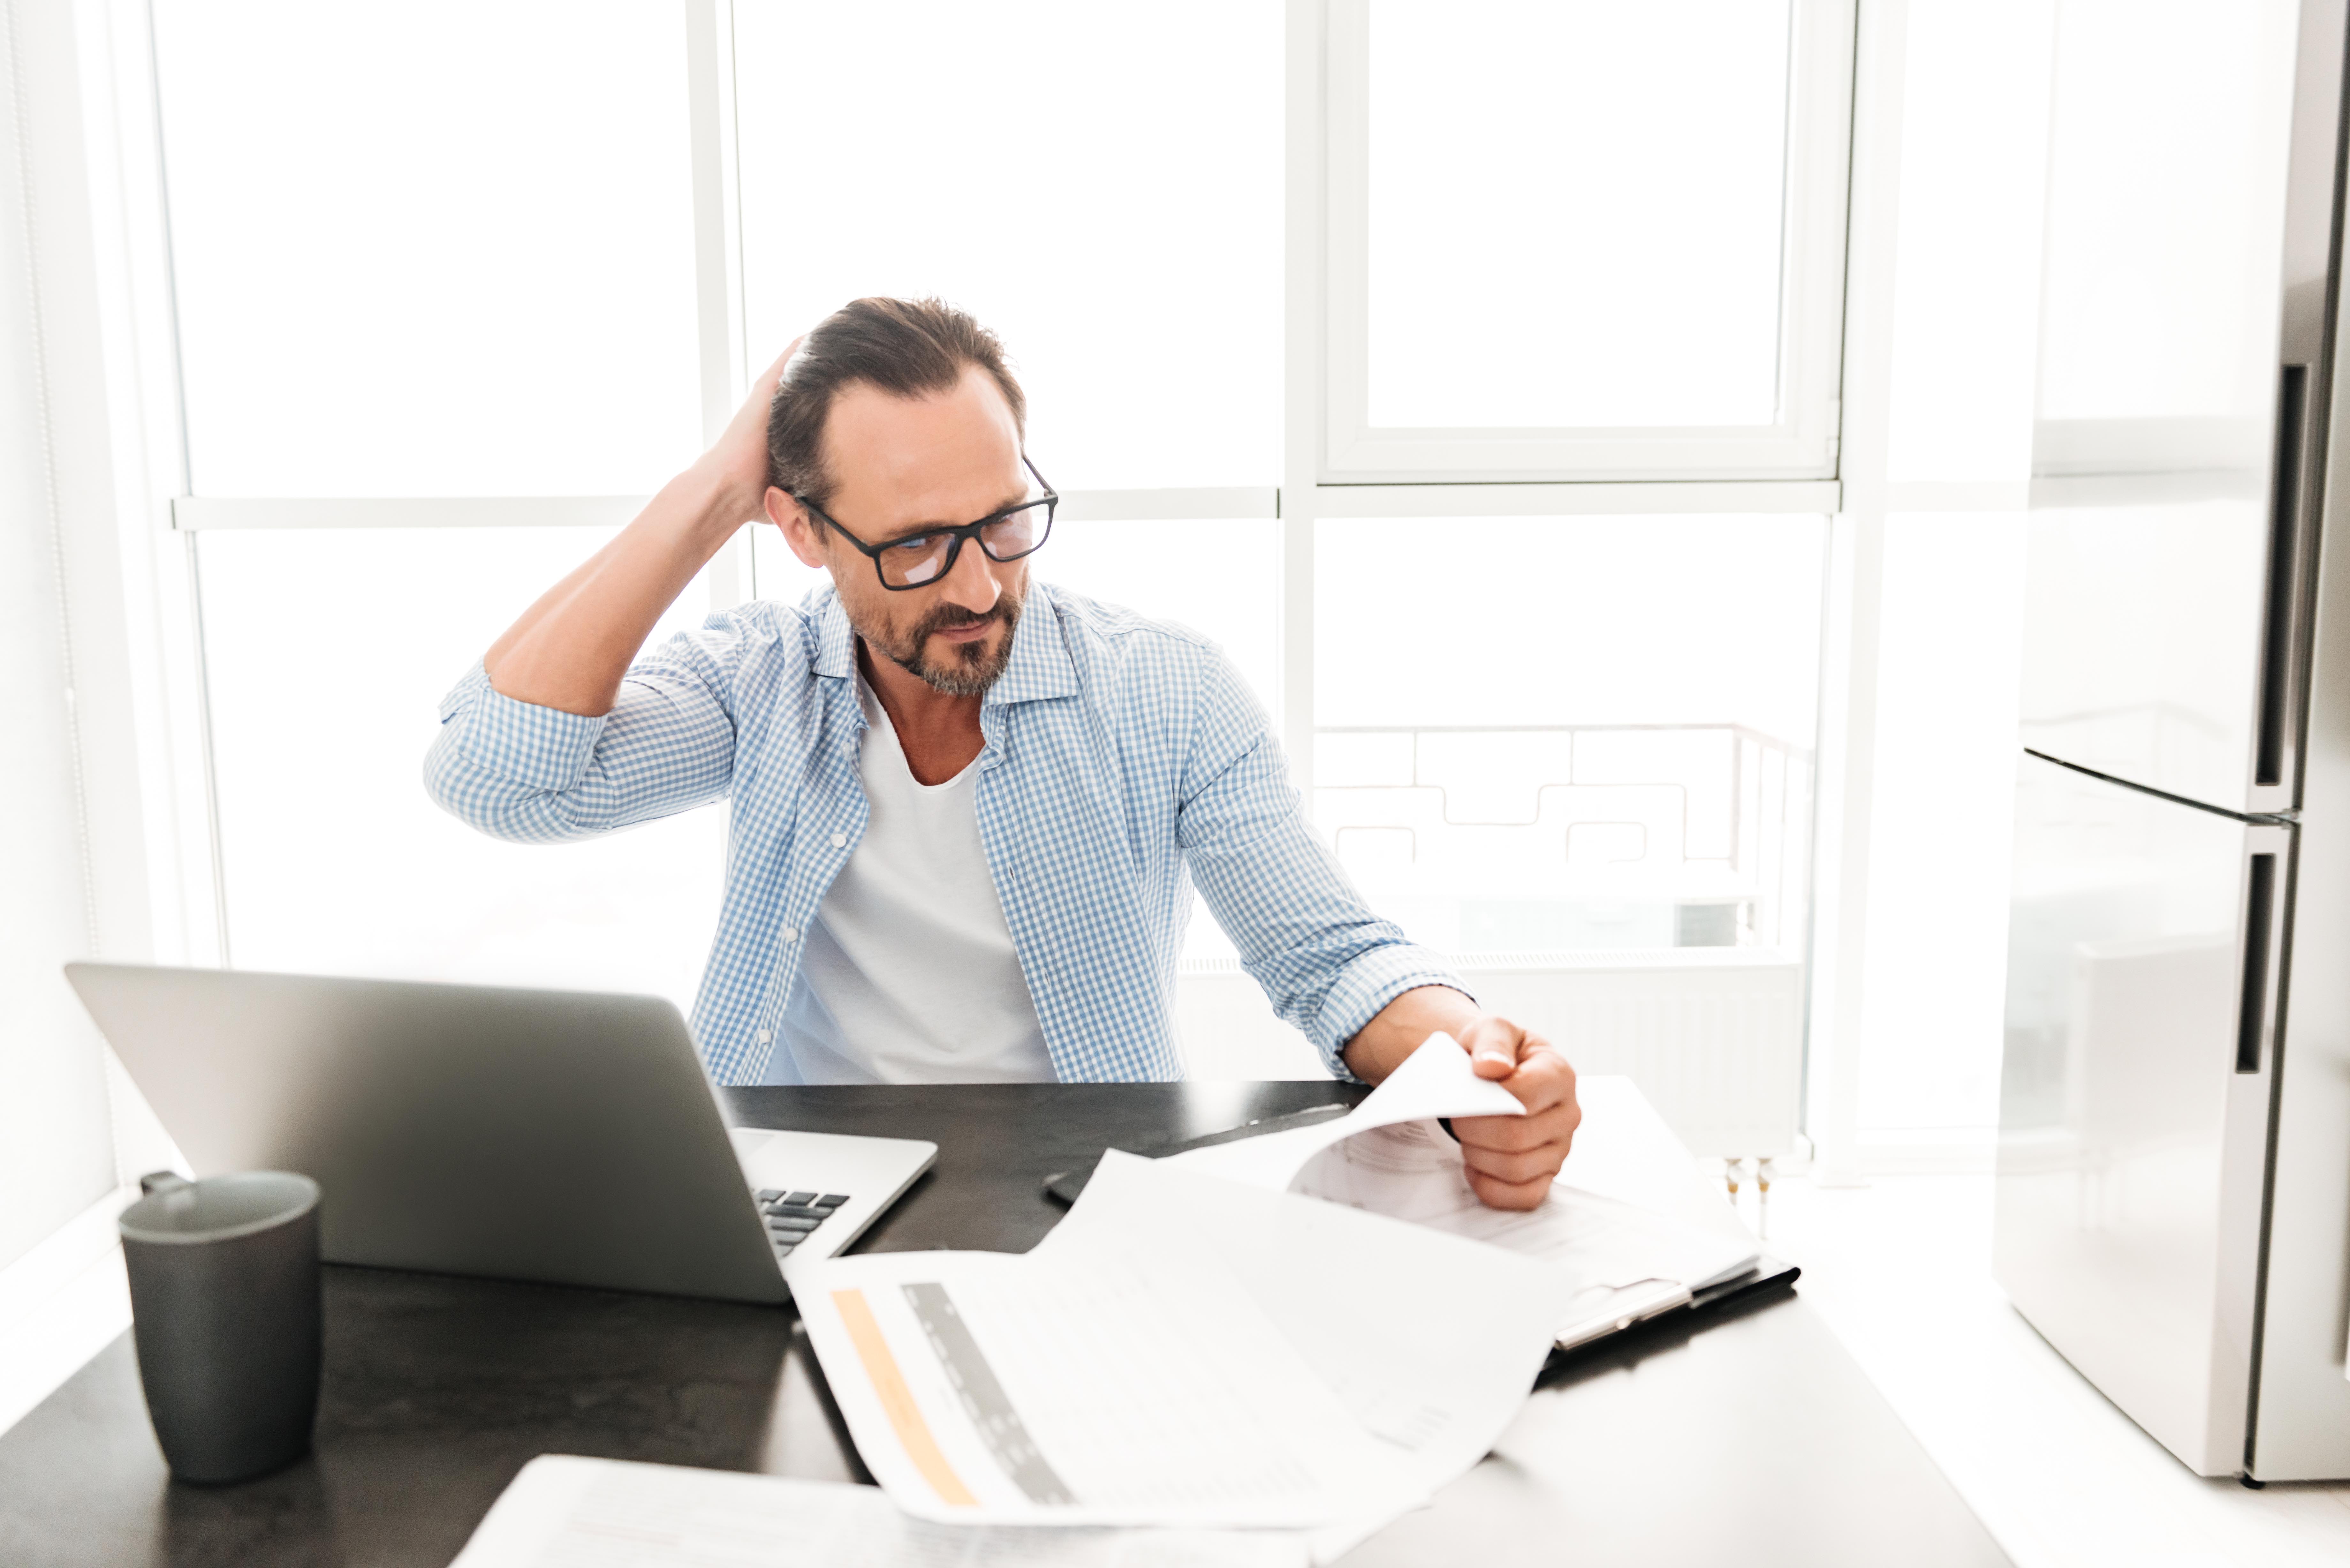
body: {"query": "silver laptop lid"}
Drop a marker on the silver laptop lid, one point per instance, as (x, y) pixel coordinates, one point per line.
(532, 1135)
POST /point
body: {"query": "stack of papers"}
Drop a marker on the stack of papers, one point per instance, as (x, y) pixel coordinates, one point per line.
(568, 1512)
(1184, 1351)
(1389, 1156)
(1249, 1355)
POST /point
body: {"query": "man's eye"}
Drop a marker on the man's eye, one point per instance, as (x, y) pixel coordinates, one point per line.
(913, 549)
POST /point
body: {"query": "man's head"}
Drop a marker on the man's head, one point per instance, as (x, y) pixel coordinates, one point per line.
(898, 417)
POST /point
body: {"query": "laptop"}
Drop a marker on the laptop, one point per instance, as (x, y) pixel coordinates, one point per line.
(561, 1137)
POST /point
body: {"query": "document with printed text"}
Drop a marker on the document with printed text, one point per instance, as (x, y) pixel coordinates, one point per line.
(1389, 1156)
(1184, 1351)
(565, 1511)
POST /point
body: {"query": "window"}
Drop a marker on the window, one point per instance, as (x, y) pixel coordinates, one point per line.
(1099, 183)
(334, 860)
(439, 249)
(1585, 241)
(405, 273)
(1613, 753)
(1114, 219)
(1468, 373)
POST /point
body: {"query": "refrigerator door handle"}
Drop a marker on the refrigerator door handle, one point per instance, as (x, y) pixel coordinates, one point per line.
(2281, 615)
(2259, 891)
(2266, 888)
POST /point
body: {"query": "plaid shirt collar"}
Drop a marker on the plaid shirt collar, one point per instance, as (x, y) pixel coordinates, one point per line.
(1040, 667)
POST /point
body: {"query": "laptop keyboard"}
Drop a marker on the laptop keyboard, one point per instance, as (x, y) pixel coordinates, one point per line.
(791, 1216)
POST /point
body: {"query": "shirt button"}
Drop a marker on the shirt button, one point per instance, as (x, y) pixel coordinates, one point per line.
(791, 933)
(766, 1035)
(839, 840)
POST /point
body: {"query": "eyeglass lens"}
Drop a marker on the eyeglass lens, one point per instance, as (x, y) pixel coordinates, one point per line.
(908, 563)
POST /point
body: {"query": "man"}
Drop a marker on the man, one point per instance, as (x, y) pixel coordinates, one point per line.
(968, 808)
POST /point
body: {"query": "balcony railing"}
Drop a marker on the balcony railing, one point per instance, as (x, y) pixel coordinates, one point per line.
(1572, 837)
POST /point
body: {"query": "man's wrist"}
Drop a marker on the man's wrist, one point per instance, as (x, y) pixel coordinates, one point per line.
(1399, 1028)
(711, 504)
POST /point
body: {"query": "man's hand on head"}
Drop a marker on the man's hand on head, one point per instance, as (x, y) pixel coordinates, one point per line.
(1512, 1160)
(737, 460)
(570, 651)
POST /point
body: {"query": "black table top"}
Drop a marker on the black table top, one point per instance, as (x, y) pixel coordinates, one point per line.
(1752, 1438)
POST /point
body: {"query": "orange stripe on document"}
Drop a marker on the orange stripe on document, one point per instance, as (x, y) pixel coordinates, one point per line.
(898, 1401)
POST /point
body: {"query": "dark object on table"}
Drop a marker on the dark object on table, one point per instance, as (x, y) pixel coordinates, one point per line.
(438, 1389)
(225, 1311)
(567, 1137)
(1065, 1185)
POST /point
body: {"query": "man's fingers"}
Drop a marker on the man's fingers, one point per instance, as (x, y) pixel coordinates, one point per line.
(1543, 1080)
(1511, 1160)
(1495, 1193)
(1493, 1047)
(752, 417)
(1511, 1135)
(1540, 1163)
(775, 371)
(1499, 1049)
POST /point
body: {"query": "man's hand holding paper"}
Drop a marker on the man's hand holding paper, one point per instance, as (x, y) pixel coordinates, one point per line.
(1514, 1152)
(1387, 1156)
(1512, 1159)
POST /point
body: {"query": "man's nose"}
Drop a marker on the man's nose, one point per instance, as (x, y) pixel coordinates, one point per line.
(968, 583)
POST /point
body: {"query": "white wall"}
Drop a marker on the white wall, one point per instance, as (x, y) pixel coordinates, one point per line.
(1938, 878)
(86, 754)
(1920, 672)
(1965, 343)
(57, 1153)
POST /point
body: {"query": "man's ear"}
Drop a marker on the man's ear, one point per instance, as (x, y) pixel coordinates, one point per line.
(800, 529)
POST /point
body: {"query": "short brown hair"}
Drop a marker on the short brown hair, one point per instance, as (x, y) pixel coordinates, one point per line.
(908, 347)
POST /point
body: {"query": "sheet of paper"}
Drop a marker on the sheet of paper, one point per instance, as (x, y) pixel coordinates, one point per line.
(1434, 1081)
(1133, 1386)
(565, 1511)
(1624, 1150)
(1388, 1157)
(1414, 1172)
(1430, 1340)
(1182, 1350)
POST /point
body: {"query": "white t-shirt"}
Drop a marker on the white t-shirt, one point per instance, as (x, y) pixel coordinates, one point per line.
(908, 975)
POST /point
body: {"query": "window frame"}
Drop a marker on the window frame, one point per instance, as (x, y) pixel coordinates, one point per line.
(1802, 444)
(144, 542)
(1332, 465)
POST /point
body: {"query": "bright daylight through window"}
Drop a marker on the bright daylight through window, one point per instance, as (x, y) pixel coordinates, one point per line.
(1643, 287)
(492, 298)
(474, 273)
(1613, 752)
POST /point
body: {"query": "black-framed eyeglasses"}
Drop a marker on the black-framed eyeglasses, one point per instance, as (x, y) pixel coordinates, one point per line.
(920, 559)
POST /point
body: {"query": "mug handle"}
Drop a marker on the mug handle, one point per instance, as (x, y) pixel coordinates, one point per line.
(162, 1181)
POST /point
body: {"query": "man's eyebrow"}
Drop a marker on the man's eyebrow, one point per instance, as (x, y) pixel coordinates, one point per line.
(918, 530)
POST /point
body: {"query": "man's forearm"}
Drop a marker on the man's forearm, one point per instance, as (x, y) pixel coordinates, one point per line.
(1401, 1027)
(570, 650)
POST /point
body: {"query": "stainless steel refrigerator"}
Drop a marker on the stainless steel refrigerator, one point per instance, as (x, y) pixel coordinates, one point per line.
(2174, 1167)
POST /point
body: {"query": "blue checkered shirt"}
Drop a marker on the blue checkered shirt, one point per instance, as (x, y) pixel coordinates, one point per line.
(1124, 760)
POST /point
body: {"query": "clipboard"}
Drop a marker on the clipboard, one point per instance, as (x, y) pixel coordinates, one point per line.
(1669, 1306)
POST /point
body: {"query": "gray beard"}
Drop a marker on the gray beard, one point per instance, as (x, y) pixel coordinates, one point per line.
(971, 669)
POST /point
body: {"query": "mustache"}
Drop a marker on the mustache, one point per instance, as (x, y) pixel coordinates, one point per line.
(955, 617)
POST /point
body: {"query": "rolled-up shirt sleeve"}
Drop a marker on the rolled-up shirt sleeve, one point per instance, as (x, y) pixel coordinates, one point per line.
(1329, 964)
(532, 774)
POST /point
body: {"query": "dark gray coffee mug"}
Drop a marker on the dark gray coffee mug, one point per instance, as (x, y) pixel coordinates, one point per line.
(224, 1309)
